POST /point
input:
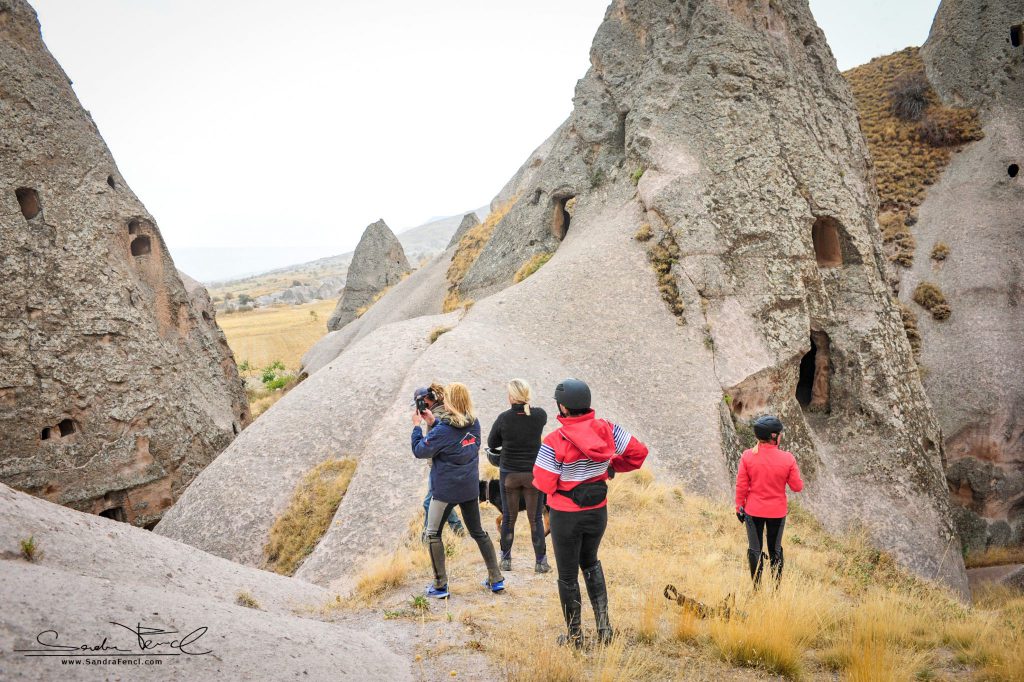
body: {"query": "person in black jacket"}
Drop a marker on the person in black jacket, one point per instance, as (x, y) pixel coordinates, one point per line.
(453, 444)
(517, 432)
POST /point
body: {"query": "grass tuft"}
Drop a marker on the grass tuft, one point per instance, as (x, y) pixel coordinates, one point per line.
(30, 549)
(931, 298)
(299, 528)
(243, 598)
(437, 332)
(531, 266)
(940, 251)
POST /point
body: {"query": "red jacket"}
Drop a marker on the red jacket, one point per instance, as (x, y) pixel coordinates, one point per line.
(581, 452)
(761, 481)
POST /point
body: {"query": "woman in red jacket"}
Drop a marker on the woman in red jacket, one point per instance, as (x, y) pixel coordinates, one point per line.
(761, 481)
(571, 467)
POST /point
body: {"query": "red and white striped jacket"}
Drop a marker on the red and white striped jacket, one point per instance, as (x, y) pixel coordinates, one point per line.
(581, 451)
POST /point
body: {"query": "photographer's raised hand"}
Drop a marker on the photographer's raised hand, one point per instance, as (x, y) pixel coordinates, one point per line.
(428, 417)
(416, 417)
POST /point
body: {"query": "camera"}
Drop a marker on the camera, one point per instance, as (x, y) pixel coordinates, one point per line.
(421, 405)
(420, 398)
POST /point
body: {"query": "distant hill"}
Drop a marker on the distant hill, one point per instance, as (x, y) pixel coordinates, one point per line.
(325, 277)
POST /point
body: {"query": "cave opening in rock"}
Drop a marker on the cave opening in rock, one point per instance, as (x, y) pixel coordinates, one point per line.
(1016, 34)
(561, 217)
(151, 525)
(133, 226)
(1012, 170)
(206, 317)
(28, 199)
(46, 434)
(66, 427)
(825, 235)
(115, 513)
(110, 181)
(812, 388)
(141, 246)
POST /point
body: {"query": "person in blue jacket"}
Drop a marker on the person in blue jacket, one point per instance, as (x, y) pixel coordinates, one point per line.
(453, 444)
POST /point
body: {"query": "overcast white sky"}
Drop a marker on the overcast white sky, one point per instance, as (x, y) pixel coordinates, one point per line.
(295, 124)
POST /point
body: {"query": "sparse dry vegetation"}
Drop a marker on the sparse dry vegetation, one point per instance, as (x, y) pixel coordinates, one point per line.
(299, 528)
(910, 135)
(644, 234)
(361, 310)
(940, 251)
(244, 598)
(844, 610)
(436, 333)
(931, 298)
(468, 250)
(531, 266)
(995, 556)
(910, 327)
(663, 254)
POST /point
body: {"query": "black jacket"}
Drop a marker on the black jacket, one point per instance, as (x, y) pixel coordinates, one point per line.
(518, 435)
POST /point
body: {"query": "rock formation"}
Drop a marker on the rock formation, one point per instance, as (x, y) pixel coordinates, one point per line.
(378, 263)
(972, 361)
(120, 574)
(116, 389)
(716, 255)
(468, 221)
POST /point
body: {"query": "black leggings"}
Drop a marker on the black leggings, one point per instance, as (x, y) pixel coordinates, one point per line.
(756, 527)
(576, 537)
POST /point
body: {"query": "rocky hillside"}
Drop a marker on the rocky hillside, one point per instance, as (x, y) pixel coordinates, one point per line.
(117, 386)
(708, 223)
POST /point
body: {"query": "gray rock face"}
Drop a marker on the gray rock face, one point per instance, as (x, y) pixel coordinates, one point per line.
(378, 263)
(120, 574)
(116, 386)
(974, 368)
(725, 131)
(469, 221)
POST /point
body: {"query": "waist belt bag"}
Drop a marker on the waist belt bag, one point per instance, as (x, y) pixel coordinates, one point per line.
(587, 494)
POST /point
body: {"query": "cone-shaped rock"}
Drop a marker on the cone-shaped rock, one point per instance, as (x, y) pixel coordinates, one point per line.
(711, 215)
(973, 361)
(378, 263)
(115, 390)
(469, 221)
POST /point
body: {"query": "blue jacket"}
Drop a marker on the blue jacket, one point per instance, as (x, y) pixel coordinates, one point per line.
(455, 474)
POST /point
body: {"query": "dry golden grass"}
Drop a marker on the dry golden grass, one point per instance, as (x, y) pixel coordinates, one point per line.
(909, 153)
(282, 333)
(468, 250)
(531, 266)
(995, 556)
(437, 332)
(299, 528)
(931, 298)
(844, 609)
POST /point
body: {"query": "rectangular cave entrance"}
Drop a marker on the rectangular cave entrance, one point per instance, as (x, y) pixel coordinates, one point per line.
(562, 216)
(1015, 35)
(825, 235)
(115, 513)
(812, 388)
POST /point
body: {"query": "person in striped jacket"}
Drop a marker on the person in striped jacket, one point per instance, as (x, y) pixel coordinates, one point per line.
(572, 467)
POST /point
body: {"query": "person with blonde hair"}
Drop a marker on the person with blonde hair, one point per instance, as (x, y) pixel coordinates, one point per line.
(432, 398)
(453, 445)
(517, 433)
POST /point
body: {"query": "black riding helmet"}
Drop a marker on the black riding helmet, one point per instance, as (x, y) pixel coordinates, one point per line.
(573, 393)
(766, 426)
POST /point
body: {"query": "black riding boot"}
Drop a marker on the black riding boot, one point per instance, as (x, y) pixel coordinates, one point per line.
(594, 578)
(569, 595)
(755, 559)
(777, 562)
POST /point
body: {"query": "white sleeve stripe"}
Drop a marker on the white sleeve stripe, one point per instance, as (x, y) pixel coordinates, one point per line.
(621, 437)
(546, 460)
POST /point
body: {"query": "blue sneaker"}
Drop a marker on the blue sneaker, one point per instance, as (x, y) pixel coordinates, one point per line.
(494, 587)
(437, 592)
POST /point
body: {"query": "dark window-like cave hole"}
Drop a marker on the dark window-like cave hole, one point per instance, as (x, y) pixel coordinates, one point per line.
(115, 513)
(812, 388)
(46, 434)
(1015, 35)
(561, 218)
(133, 226)
(825, 235)
(1012, 170)
(110, 181)
(28, 199)
(66, 427)
(206, 317)
(141, 246)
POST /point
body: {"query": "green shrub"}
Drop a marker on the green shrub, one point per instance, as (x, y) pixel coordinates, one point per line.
(636, 175)
(30, 550)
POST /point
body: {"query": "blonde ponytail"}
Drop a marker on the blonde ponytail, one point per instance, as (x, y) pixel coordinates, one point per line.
(519, 392)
